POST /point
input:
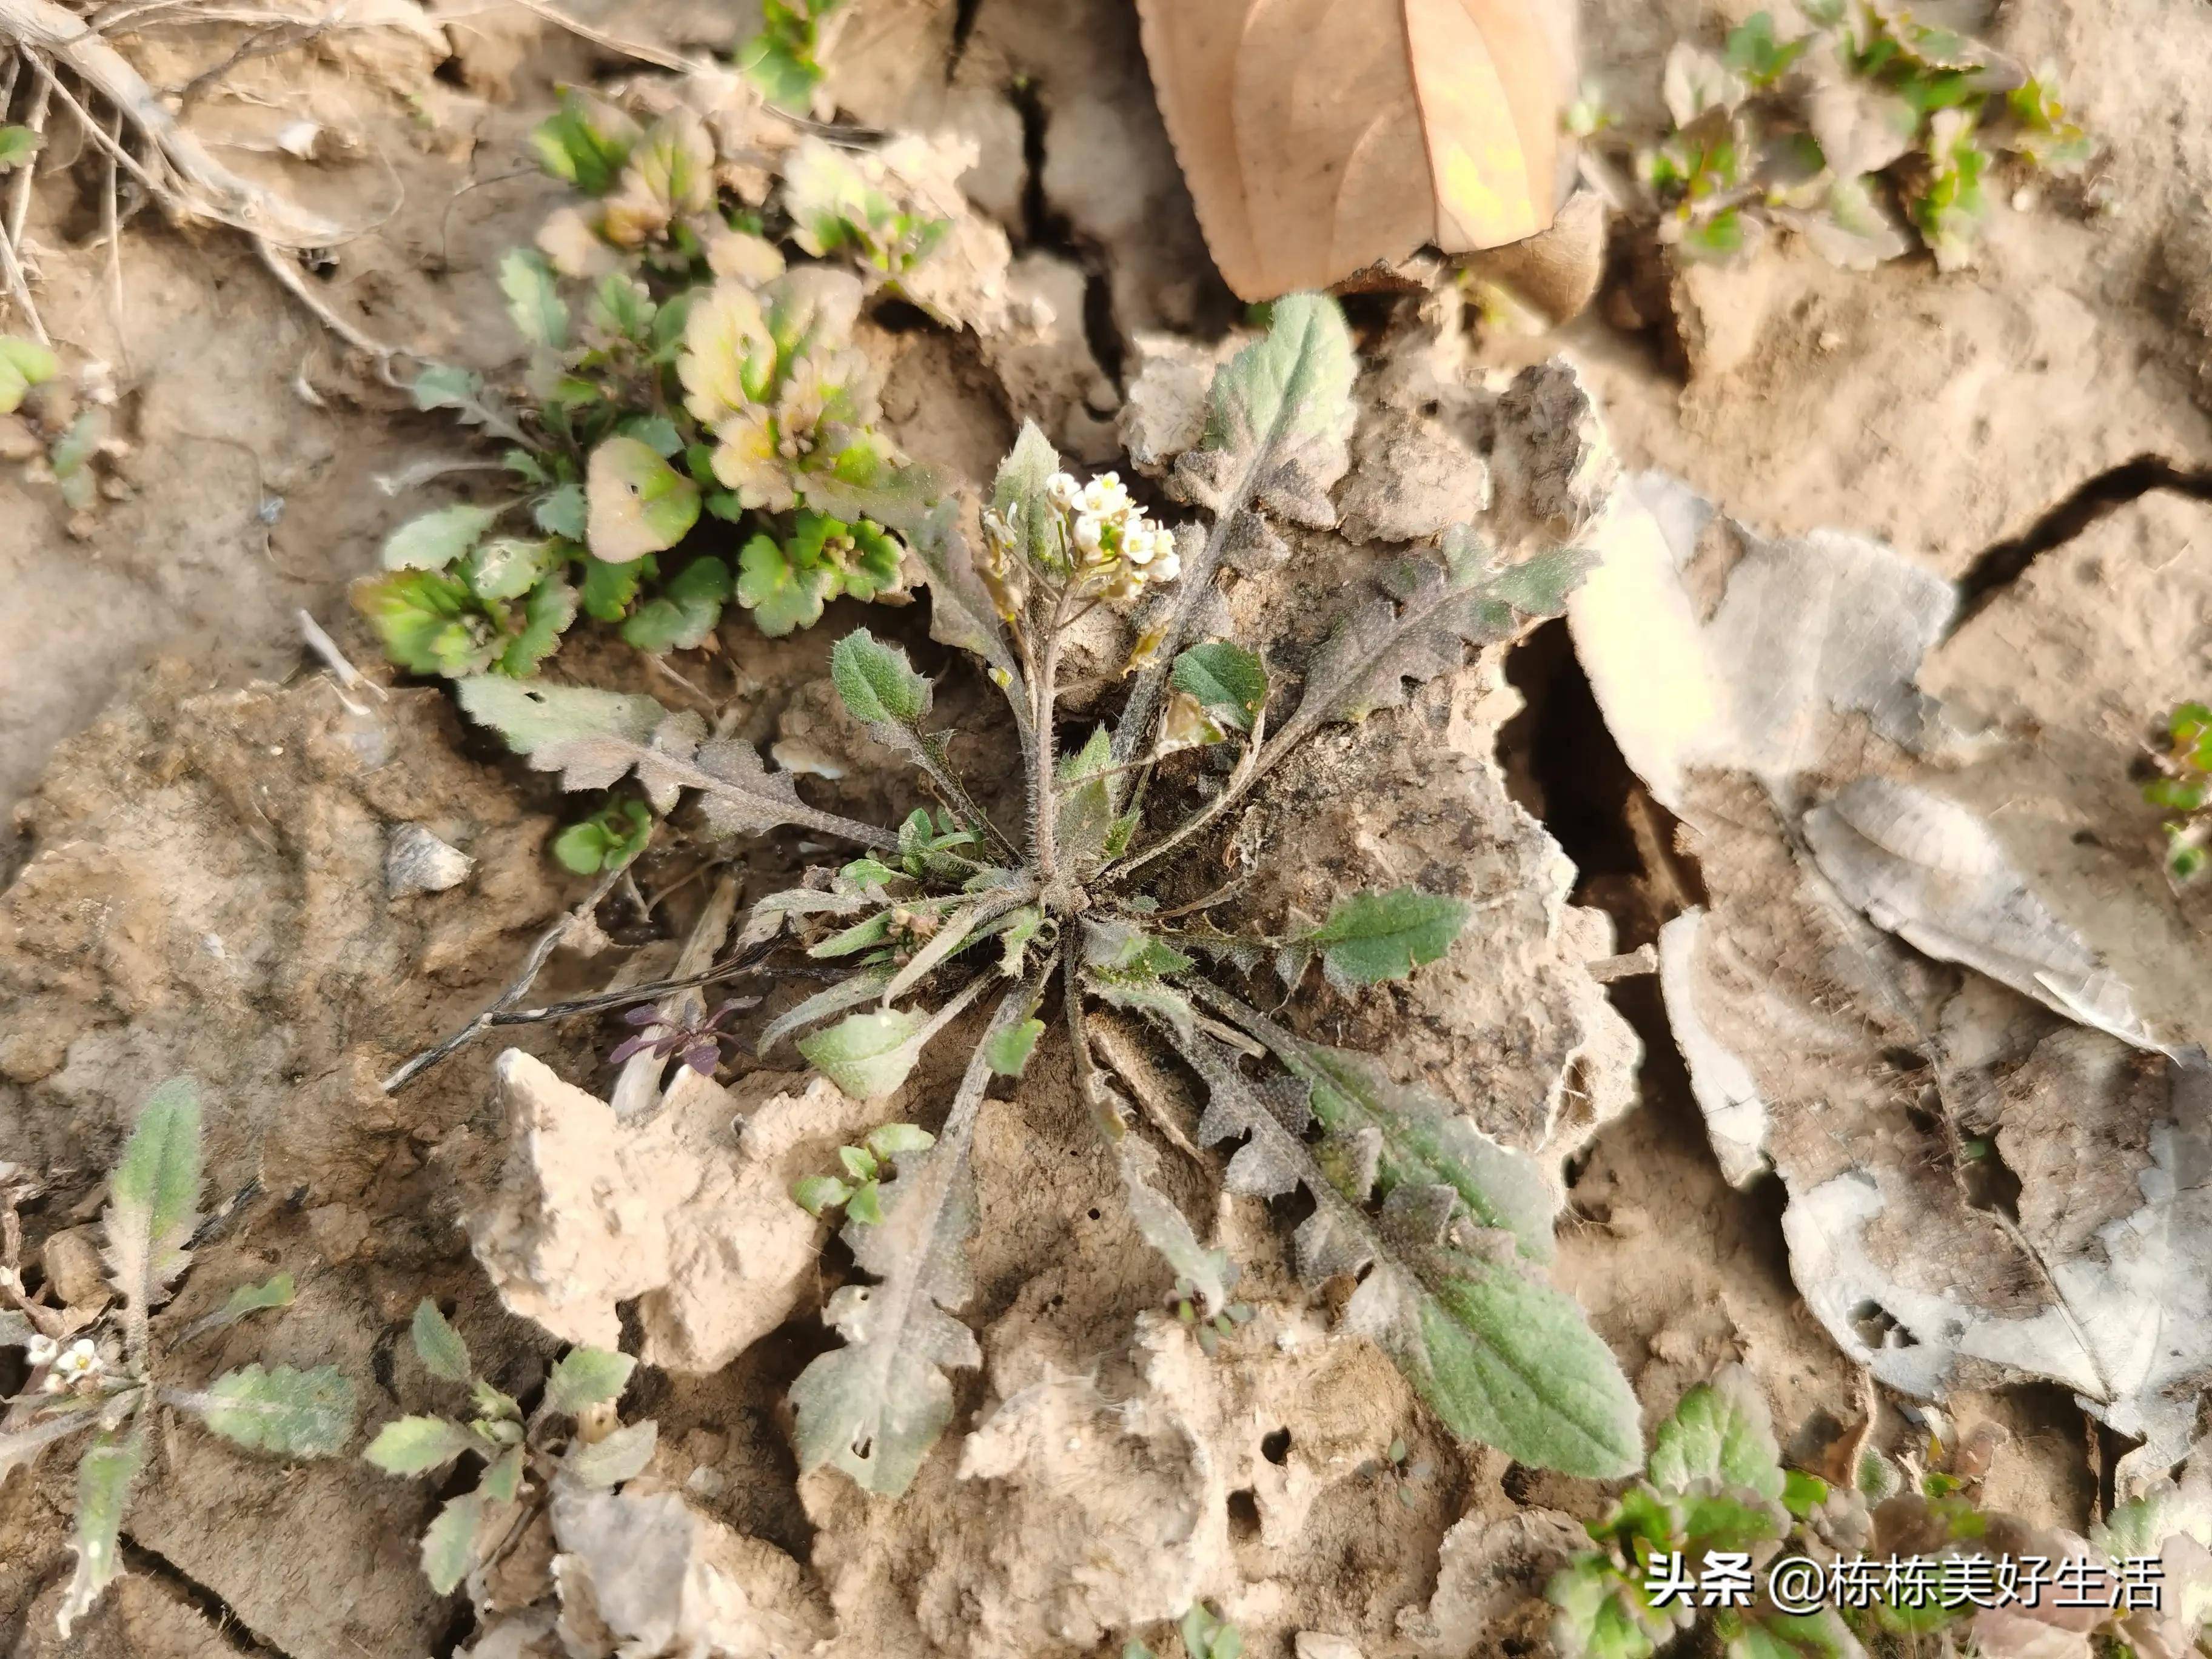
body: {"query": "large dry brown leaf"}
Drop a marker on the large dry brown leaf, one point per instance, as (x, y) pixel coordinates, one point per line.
(1322, 136)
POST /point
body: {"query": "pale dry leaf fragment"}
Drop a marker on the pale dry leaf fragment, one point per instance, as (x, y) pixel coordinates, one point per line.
(1321, 137)
(1486, 1569)
(1809, 629)
(648, 1574)
(416, 861)
(1929, 870)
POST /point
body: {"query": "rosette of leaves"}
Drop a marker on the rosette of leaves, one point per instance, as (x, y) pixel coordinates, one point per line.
(662, 432)
(2183, 787)
(857, 201)
(1870, 122)
(104, 1381)
(571, 1440)
(1444, 1231)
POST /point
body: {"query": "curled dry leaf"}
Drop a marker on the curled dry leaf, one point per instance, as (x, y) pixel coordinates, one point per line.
(1321, 137)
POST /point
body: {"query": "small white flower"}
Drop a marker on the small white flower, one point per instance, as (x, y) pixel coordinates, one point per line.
(79, 1361)
(55, 1382)
(1089, 531)
(1104, 495)
(41, 1351)
(1138, 545)
(1060, 489)
(1167, 567)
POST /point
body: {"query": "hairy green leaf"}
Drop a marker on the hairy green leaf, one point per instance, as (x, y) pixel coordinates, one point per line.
(439, 1346)
(1162, 1225)
(868, 1055)
(293, 1413)
(782, 595)
(1372, 937)
(586, 1376)
(1008, 1053)
(1279, 422)
(502, 1476)
(449, 1545)
(532, 299)
(434, 540)
(620, 1455)
(1603, 1616)
(876, 681)
(1720, 1431)
(1225, 680)
(154, 1193)
(415, 1445)
(547, 611)
(104, 1479)
(874, 1407)
(864, 985)
(245, 1300)
(1501, 1358)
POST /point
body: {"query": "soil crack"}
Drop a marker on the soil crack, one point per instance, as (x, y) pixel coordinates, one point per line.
(1047, 230)
(2000, 564)
(235, 1631)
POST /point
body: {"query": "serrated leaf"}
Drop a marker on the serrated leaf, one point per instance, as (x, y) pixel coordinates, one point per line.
(547, 613)
(1502, 1358)
(1771, 1634)
(449, 1545)
(434, 540)
(586, 1376)
(1018, 498)
(1719, 1431)
(154, 1193)
(594, 738)
(104, 1479)
(961, 612)
(877, 684)
(1279, 422)
(1421, 1142)
(562, 511)
(414, 1445)
(439, 1346)
(446, 386)
(1225, 680)
(430, 621)
(639, 503)
(688, 611)
(1430, 613)
(868, 1055)
(533, 300)
(874, 1407)
(291, 1412)
(1373, 937)
(1601, 1615)
(1008, 1053)
(620, 1455)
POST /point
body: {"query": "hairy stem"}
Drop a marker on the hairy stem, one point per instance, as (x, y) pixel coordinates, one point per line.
(1240, 782)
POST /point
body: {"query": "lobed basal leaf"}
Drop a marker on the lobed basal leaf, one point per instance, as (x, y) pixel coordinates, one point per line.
(154, 1194)
(875, 1407)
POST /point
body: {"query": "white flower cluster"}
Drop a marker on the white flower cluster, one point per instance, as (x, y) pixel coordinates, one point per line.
(72, 1368)
(1107, 528)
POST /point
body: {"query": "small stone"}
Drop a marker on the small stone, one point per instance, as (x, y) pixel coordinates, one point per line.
(72, 1263)
(416, 861)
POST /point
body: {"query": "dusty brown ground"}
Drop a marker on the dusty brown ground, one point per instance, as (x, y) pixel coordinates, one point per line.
(196, 857)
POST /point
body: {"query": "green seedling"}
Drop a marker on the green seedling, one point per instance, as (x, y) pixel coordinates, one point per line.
(107, 1377)
(858, 1190)
(1917, 116)
(694, 425)
(2183, 788)
(1446, 1229)
(573, 1440)
(783, 60)
(610, 838)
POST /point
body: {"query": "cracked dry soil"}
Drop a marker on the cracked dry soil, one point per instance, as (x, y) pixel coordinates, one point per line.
(196, 872)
